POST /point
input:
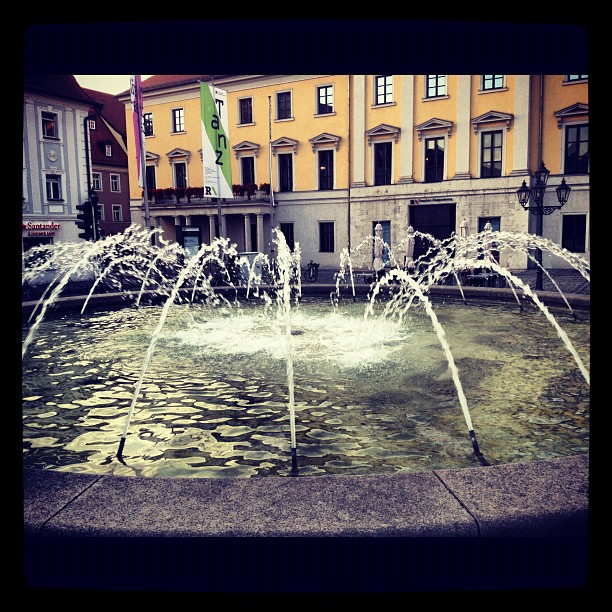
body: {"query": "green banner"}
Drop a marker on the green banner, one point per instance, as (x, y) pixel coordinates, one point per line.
(216, 154)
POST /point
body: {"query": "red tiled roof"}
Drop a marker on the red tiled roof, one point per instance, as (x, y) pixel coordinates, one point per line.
(164, 80)
(159, 81)
(60, 85)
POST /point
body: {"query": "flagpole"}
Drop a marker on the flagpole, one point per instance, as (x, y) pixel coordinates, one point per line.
(137, 107)
(272, 221)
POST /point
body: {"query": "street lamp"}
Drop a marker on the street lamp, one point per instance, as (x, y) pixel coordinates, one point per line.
(532, 199)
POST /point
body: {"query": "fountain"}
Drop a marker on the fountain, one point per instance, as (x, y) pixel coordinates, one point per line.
(211, 366)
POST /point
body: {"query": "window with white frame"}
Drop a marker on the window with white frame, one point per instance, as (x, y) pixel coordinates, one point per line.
(285, 171)
(491, 149)
(434, 159)
(245, 109)
(383, 89)
(576, 151)
(147, 120)
(383, 163)
(108, 150)
(53, 186)
(92, 124)
(151, 180)
(96, 181)
(115, 183)
(325, 100)
(435, 85)
(283, 105)
(117, 212)
(178, 120)
(247, 170)
(576, 77)
(49, 125)
(492, 81)
(180, 174)
(326, 169)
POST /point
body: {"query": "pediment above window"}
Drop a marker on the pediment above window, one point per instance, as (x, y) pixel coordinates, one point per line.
(432, 125)
(151, 158)
(570, 112)
(178, 155)
(246, 147)
(383, 130)
(283, 142)
(492, 117)
(325, 139)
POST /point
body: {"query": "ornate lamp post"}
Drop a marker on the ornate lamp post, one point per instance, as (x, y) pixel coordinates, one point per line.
(532, 199)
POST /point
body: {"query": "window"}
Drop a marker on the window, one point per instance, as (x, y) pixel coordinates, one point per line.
(178, 120)
(115, 183)
(492, 81)
(54, 187)
(283, 105)
(326, 169)
(382, 163)
(287, 230)
(117, 212)
(383, 89)
(147, 120)
(491, 154)
(434, 160)
(180, 174)
(246, 111)
(49, 125)
(108, 150)
(285, 170)
(576, 149)
(573, 236)
(92, 124)
(150, 176)
(247, 167)
(577, 77)
(435, 85)
(325, 100)
(326, 237)
(96, 181)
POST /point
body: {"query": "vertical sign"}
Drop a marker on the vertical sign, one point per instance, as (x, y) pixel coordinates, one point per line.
(136, 97)
(215, 142)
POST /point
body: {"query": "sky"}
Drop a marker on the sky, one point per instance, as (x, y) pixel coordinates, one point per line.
(108, 83)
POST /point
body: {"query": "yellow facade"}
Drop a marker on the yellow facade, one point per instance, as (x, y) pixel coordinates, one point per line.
(531, 112)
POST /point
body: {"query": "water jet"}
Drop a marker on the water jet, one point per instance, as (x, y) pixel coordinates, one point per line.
(188, 376)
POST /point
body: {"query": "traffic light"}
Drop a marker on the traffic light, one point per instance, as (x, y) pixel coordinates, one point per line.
(85, 220)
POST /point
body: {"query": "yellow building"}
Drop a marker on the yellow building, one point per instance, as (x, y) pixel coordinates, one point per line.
(345, 152)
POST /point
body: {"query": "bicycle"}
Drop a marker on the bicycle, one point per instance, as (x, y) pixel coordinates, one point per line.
(310, 272)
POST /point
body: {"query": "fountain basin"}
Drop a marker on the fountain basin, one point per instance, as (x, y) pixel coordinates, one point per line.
(380, 405)
(546, 500)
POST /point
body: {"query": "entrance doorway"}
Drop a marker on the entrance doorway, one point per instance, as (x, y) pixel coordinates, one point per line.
(435, 219)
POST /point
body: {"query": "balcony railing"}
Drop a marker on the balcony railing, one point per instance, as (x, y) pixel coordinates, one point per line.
(194, 197)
